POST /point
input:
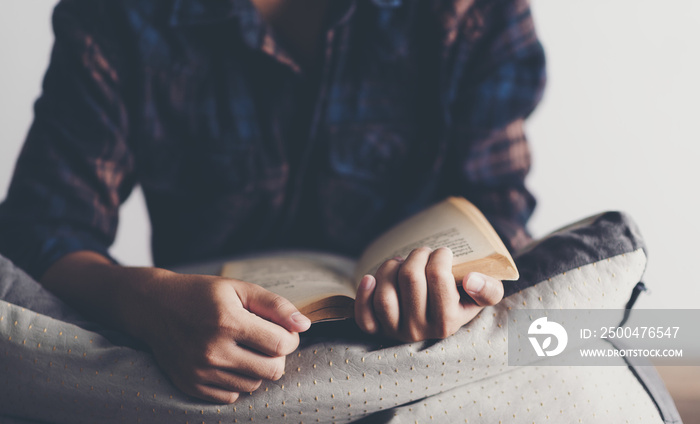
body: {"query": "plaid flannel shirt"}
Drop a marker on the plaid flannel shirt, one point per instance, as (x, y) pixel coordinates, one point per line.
(237, 147)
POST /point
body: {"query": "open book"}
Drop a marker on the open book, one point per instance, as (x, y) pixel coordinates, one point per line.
(322, 286)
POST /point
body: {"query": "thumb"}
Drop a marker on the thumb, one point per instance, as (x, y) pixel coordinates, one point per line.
(274, 308)
(483, 289)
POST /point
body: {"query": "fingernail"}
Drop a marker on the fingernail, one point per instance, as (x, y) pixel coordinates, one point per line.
(367, 283)
(398, 259)
(300, 319)
(475, 283)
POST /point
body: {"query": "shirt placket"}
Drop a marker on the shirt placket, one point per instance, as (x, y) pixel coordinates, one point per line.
(331, 58)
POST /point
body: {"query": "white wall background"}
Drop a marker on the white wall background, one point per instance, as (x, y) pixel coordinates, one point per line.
(616, 130)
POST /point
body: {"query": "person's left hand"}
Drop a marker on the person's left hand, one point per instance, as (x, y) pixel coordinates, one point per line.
(417, 299)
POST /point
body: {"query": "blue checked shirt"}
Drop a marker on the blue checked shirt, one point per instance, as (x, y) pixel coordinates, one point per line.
(238, 147)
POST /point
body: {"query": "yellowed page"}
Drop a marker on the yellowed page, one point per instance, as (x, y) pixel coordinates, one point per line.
(300, 277)
(442, 225)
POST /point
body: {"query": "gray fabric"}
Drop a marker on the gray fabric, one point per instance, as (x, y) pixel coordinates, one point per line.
(650, 379)
(655, 387)
(18, 288)
(55, 371)
(589, 240)
(534, 394)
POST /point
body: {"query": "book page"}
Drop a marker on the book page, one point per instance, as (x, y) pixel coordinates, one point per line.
(300, 278)
(442, 225)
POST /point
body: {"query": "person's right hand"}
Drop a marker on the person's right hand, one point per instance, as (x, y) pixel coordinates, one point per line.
(214, 337)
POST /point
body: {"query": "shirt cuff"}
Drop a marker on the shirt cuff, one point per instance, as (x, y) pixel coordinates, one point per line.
(36, 250)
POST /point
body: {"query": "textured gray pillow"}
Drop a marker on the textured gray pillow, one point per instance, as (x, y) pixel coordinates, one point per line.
(53, 369)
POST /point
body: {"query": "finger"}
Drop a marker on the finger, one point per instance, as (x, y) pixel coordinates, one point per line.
(483, 289)
(386, 297)
(364, 310)
(413, 294)
(213, 394)
(264, 336)
(239, 360)
(229, 381)
(443, 295)
(468, 311)
(442, 289)
(273, 308)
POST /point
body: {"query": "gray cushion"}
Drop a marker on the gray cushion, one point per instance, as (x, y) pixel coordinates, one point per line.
(56, 370)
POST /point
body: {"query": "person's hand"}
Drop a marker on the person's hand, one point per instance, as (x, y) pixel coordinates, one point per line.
(215, 337)
(417, 299)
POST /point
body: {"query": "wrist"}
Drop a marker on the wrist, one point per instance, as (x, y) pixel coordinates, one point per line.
(139, 295)
(124, 298)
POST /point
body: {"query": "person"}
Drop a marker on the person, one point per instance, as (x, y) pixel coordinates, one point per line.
(264, 124)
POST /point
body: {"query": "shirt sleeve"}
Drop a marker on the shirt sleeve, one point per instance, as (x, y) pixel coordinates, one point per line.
(75, 168)
(500, 80)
